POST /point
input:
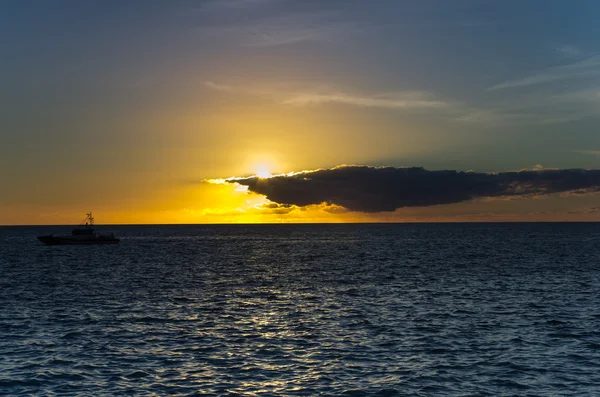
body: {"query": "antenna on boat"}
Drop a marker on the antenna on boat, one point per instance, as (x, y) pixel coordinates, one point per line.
(89, 220)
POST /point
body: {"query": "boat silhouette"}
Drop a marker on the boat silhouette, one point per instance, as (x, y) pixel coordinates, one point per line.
(83, 235)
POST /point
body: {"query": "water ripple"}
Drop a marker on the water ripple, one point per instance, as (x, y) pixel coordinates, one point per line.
(354, 310)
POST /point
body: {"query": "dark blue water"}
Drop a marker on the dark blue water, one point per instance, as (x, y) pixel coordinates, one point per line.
(424, 310)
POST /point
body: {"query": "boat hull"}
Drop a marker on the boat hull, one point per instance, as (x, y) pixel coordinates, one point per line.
(58, 240)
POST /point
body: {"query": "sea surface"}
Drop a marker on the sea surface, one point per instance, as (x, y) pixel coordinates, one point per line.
(304, 310)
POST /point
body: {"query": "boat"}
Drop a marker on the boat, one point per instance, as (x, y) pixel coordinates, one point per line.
(83, 235)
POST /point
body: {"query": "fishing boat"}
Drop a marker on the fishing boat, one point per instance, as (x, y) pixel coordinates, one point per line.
(82, 235)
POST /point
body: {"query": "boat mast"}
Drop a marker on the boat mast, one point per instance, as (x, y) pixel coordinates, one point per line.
(89, 220)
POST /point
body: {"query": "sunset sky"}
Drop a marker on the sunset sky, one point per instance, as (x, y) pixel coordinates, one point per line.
(155, 111)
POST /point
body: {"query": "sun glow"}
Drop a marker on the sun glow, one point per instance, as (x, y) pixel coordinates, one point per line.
(262, 171)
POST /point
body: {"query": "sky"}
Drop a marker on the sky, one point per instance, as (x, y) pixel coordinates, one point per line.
(252, 111)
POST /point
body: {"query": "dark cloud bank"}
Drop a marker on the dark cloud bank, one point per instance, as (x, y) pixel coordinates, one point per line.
(371, 189)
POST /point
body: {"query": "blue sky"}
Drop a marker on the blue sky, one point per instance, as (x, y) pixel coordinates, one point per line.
(139, 96)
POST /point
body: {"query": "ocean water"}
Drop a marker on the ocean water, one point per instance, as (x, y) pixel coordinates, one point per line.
(304, 310)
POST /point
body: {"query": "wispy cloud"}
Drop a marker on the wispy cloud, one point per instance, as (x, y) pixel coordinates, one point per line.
(266, 23)
(231, 4)
(502, 117)
(569, 51)
(589, 67)
(268, 36)
(532, 109)
(551, 107)
(294, 96)
(265, 91)
(403, 100)
(502, 114)
(218, 87)
(589, 152)
(281, 29)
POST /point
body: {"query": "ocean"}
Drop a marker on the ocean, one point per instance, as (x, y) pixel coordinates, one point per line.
(304, 310)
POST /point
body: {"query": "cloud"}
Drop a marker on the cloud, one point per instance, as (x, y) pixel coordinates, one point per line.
(218, 87)
(258, 209)
(294, 96)
(275, 35)
(532, 109)
(589, 152)
(276, 29)
(559, 106)
(406, 100)
(548, 108)
(373, 189)
(213, 5)
(334, 209)
(585, 68)
(569, 51)
(275, 208)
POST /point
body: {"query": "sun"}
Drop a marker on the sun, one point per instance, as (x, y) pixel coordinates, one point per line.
(263, 165)
(262, 171)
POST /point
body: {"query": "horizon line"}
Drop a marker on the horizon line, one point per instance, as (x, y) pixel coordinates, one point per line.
(300, 223)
